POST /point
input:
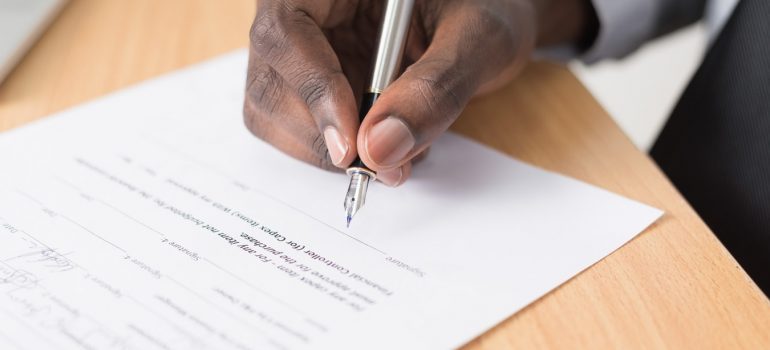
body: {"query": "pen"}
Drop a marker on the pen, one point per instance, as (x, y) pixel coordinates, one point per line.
(390, 49)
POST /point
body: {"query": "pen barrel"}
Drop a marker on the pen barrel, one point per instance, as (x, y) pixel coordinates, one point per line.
(366, 104)
(387, 61)
(390, 47)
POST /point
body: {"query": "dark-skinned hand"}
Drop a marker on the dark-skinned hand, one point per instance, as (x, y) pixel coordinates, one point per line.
(310, 61)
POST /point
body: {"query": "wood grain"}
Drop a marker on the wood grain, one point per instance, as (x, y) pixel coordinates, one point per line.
(675, 286)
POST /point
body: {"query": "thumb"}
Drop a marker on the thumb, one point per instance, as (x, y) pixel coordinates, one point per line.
(420, 105)
(412, 113)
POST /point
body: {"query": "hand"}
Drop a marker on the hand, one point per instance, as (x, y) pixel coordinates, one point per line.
(310, 60)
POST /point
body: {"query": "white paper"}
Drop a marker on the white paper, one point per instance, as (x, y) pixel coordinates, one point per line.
(118, 217)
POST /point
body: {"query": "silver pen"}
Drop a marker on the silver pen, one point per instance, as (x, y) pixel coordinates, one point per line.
(387, 62)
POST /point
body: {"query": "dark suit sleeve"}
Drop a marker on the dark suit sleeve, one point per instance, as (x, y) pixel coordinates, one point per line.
(627, 24)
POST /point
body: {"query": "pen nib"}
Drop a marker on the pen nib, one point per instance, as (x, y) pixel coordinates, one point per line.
(356, 195)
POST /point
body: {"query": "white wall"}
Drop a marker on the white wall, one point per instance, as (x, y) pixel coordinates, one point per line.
(641, 90)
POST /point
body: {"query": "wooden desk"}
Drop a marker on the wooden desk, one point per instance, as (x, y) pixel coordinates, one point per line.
(675, 286)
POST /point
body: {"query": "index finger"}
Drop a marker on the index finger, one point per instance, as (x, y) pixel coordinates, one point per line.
(287, 35)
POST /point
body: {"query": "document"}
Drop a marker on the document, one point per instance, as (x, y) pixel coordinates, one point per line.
(152, 219)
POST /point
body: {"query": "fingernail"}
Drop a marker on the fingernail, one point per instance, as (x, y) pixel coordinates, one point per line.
(391, 177)
(336, 145)
(388, 142)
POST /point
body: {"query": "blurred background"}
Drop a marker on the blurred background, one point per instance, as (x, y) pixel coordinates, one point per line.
(641, 90)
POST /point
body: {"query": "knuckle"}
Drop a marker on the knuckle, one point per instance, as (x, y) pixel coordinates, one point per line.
(426, 90)
(487, 20)
(496, 26)
(440, 92)
(268, 35)
(314, 87)
(264, 88)
(263, 98)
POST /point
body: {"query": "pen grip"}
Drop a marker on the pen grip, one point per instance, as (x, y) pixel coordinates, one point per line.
(366, 104)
